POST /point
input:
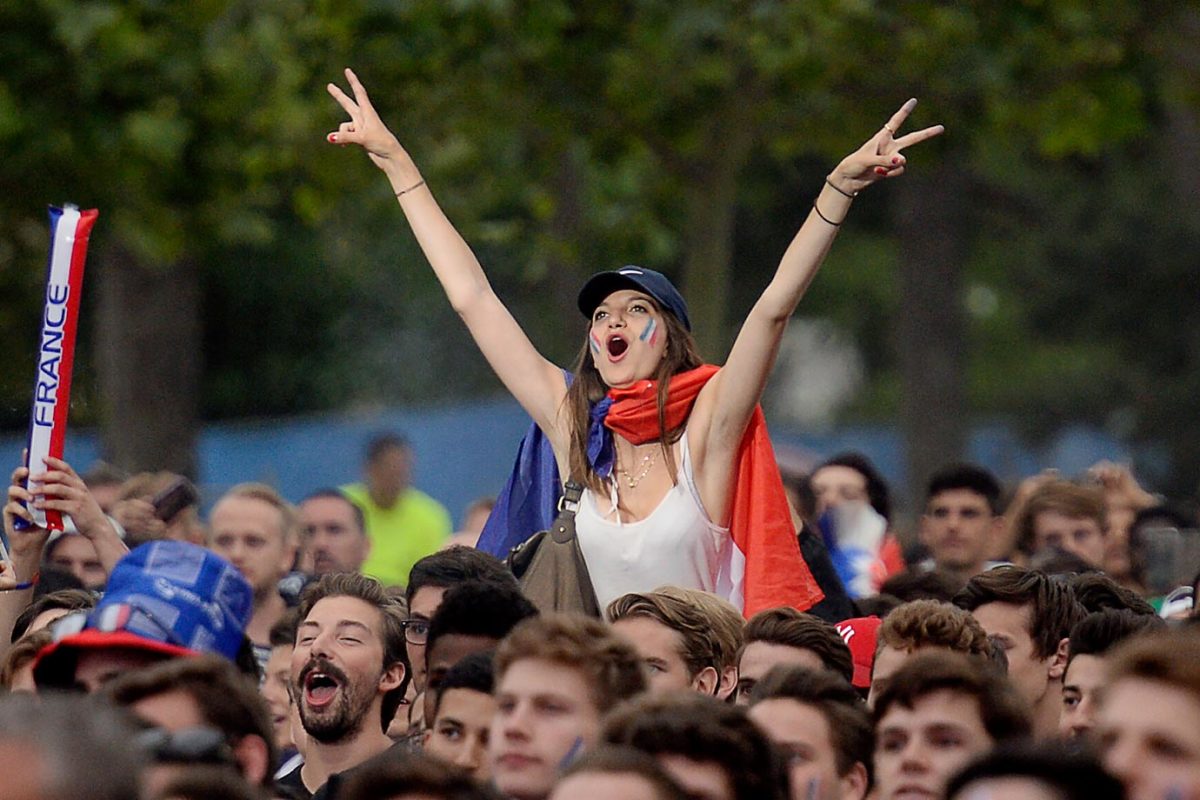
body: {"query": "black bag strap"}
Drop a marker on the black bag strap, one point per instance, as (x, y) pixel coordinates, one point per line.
(569, 502)
(562, 530)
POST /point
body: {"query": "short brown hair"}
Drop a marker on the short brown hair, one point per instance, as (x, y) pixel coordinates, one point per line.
(1064, 497)
(724, 618)
(612, 666)
(1172, 657)
(1001, 710)
(1053, 610)
(22, 652)
(144, 485)
(932, 623)
(618, 759)
(792, 628)
(391, 615)
(703, 729)
(66, 600)
(611, 759)
(699, 647)
(836, 700)
(414, 774)
(205, 782)
(228, 700)
(1101, 633)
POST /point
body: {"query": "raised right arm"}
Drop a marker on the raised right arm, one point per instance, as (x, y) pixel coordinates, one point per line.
(535, 382)
(27, 546)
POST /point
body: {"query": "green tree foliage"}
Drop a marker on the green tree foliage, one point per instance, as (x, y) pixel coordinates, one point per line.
(568, 137)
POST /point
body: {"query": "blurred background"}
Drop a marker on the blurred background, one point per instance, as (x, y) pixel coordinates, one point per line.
(255, 306)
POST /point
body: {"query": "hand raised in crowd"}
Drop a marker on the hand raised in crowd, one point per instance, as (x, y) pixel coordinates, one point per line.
(136, 515)
(61, 489)
(28, 542)
(880, 156)
(8, 577)
(365, 127)
(1119, 485)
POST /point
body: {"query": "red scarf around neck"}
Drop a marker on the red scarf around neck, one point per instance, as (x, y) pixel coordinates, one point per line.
(760, 520)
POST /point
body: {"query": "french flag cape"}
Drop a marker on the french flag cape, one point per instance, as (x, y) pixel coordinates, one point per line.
(766, 569)
(69, 232)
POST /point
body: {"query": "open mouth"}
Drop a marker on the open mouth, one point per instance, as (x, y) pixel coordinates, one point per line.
(617, 347)
(320, 688)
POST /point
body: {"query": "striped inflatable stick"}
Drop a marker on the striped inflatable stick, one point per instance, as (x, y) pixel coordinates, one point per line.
(69, 231)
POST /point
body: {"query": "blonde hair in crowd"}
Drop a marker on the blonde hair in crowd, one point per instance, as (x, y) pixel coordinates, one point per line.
(252, 490)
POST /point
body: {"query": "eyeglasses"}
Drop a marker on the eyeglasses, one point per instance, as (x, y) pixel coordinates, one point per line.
(416, 631)
(187, 746)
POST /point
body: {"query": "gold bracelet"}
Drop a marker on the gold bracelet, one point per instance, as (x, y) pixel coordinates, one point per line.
(416, 185)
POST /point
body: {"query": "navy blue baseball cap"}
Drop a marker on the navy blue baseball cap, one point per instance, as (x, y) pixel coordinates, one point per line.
(655, 284)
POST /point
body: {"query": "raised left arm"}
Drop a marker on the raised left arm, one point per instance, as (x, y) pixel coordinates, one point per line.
(740, 384)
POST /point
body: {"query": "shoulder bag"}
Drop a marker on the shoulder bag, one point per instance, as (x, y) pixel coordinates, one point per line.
(550, 567)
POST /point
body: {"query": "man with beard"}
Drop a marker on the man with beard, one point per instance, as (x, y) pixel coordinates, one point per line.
(333, 533)
(349, 674)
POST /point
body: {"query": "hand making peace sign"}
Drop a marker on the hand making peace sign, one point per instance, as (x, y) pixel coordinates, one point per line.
(365, 127)
(880, 156)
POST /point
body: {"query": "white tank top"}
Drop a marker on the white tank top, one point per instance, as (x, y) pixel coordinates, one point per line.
(676, 545)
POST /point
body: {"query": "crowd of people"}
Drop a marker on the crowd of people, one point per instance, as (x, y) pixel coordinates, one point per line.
(1016, 651)
(760, 635)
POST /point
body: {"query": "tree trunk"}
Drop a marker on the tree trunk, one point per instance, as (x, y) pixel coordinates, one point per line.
(711, 207)
(931, 217)
(566, 272)
(149, 351)
(1179, 145)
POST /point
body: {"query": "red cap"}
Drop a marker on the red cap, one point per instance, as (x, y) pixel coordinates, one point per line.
(54, 665)
(859, 635)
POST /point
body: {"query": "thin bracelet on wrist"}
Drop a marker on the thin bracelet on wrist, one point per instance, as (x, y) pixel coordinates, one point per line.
(825, 218)
(29, 584)
(416, 185)
(840, 190)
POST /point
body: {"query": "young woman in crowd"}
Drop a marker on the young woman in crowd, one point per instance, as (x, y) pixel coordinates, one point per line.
(665, 445)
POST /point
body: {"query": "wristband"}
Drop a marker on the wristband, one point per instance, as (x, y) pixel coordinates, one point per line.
(840, 190)
(416, 185)
(29, 584)
(825, 218)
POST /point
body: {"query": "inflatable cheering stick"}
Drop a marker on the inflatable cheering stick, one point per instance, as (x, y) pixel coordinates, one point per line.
(69, 231)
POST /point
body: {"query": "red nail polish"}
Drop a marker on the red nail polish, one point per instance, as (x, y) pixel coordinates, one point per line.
(880, 171)
(896, 160)
(332, 137)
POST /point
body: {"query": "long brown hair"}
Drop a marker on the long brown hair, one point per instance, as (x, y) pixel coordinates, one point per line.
(588, 388)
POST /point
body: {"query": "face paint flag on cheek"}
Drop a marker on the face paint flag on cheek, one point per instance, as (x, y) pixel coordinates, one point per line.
(69, 231)
(650, 333)
(593, 342)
